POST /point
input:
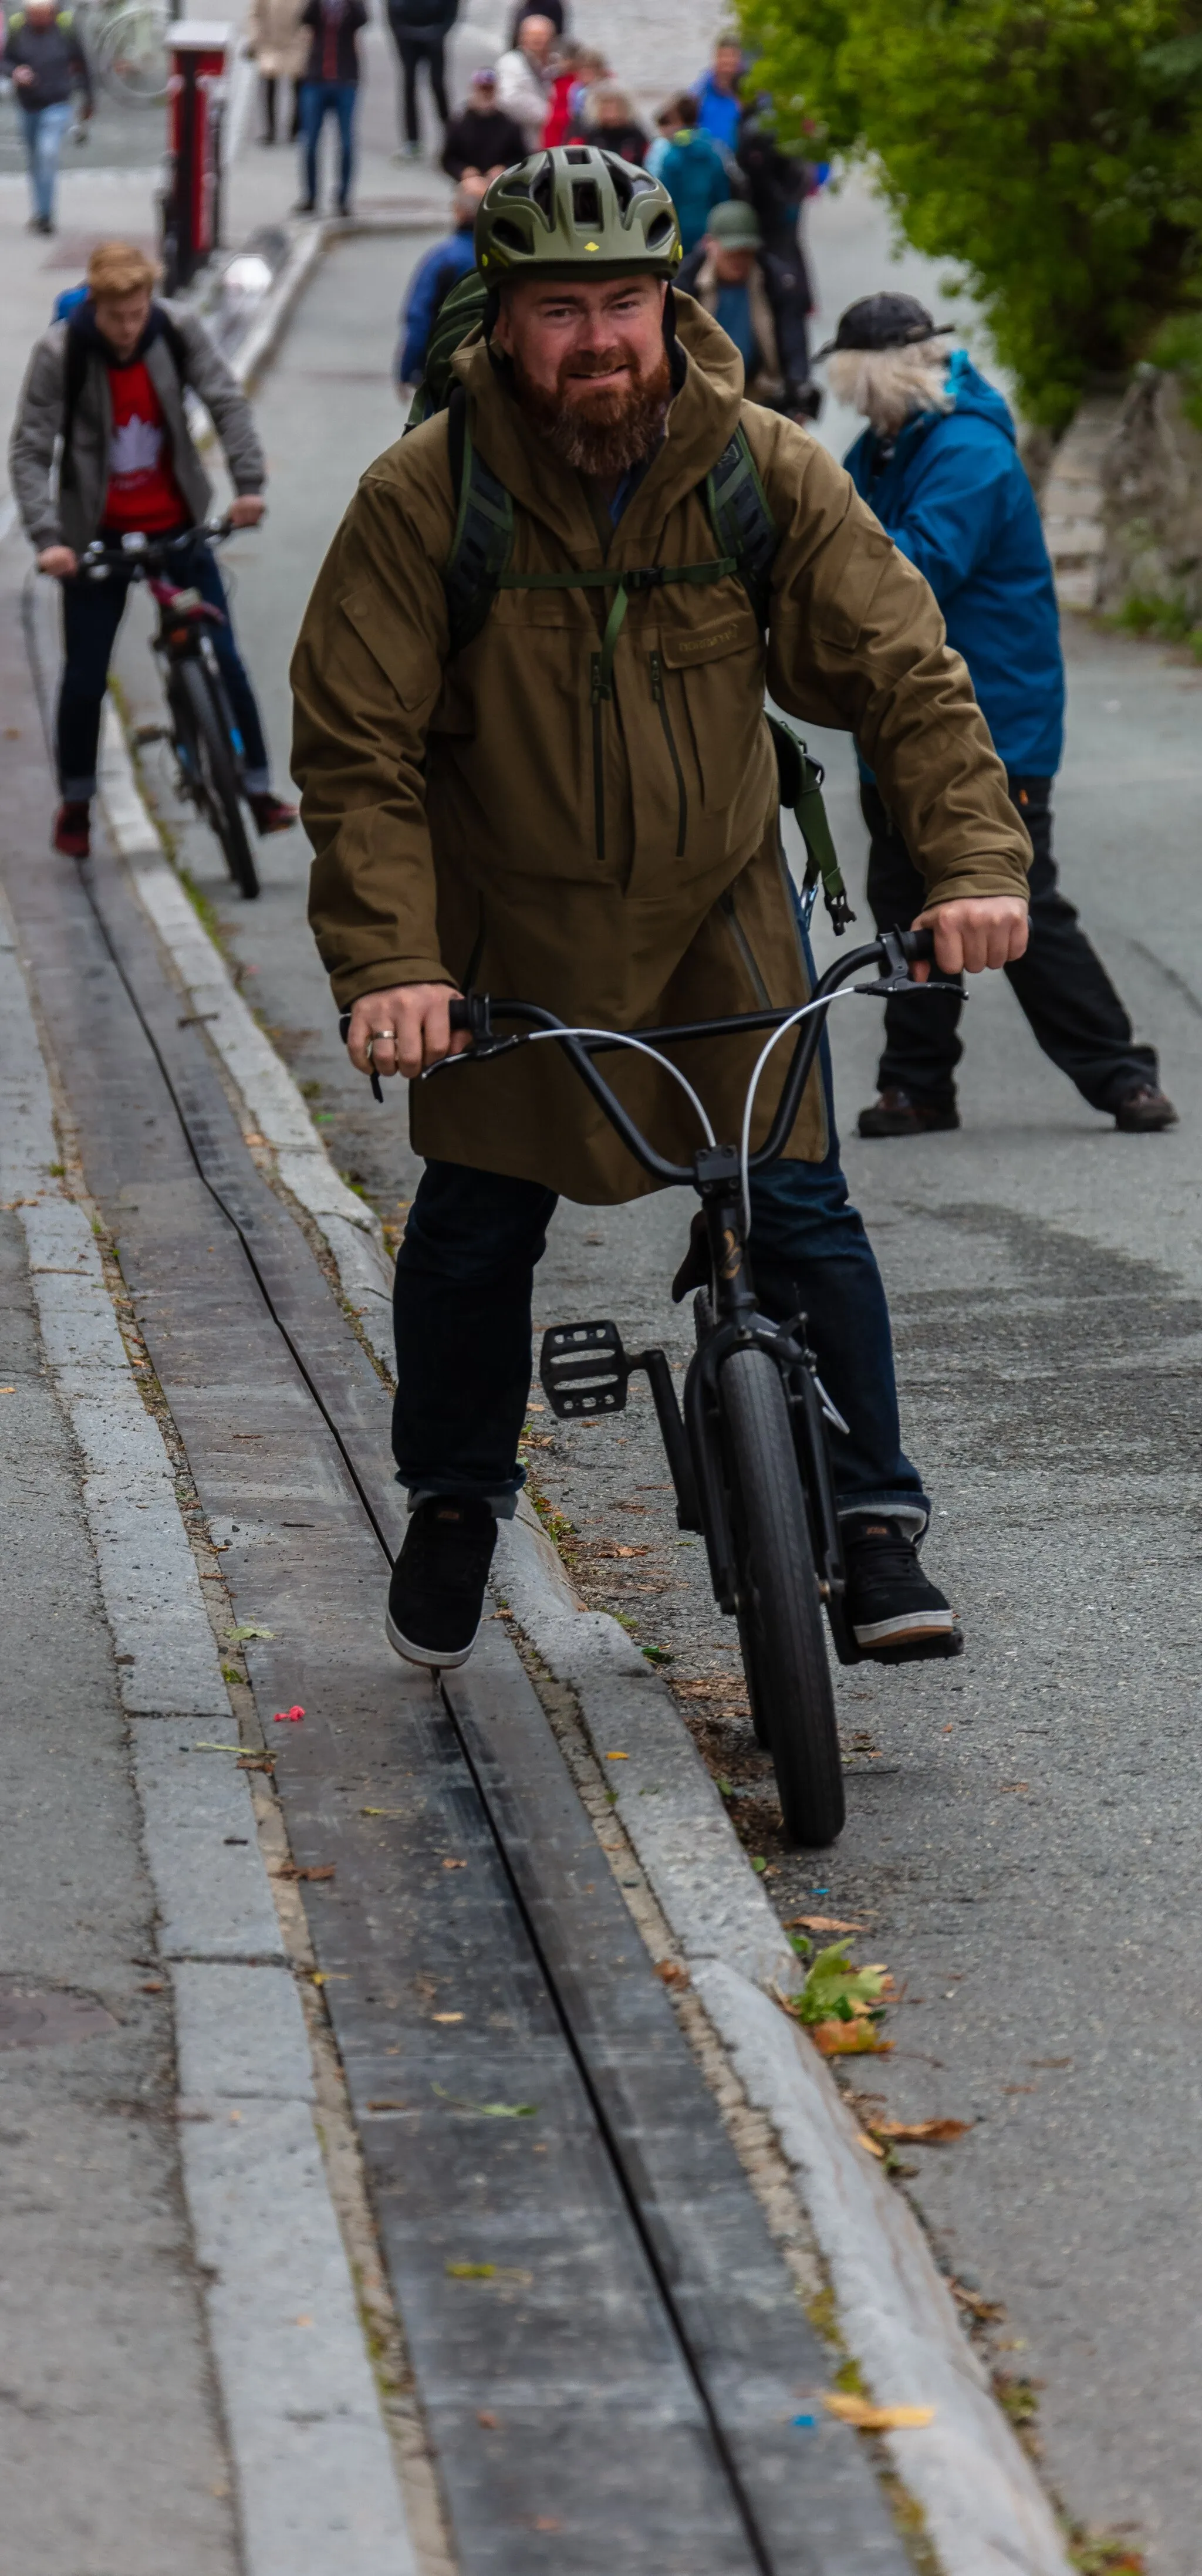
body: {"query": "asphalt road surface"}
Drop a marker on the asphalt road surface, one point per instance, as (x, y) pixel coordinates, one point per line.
(1023, 1825)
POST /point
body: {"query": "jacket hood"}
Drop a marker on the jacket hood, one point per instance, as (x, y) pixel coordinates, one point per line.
(702, 418)
(972, 394)
(83, 325)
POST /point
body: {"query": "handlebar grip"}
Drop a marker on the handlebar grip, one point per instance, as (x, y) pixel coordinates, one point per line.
(461, 1013)
(915, 944)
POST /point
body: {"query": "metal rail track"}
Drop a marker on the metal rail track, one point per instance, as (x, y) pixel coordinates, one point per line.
(609, 2354)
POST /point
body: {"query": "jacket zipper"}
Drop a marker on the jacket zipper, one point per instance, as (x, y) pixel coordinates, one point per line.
(682, 802)
(763, 996)
(599, 694)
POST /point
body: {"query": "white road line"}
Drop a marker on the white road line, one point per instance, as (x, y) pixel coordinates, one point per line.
(316, 2484)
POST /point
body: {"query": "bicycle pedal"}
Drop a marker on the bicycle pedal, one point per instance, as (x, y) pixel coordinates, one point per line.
(583, 1369)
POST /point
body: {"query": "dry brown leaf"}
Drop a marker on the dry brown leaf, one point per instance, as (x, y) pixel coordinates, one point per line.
(849, 2039)
(877, 2419)
(822, 1923)
(870, 2144)
(446, 2016)
(921, 2133)
(288, 1869)
(672, 1974)
(454, 1864)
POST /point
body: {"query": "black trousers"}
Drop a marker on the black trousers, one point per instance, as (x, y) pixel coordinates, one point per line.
(414, 50)
(1074, 1012)
(270, 87)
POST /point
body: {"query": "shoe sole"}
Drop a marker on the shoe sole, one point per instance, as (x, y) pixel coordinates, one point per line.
(925, 1636)
(922, 1127)
(435, 1660)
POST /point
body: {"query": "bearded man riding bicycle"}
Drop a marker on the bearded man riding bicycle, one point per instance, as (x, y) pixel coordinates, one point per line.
(531, 741)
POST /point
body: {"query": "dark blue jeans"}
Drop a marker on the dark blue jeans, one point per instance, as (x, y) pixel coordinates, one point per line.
(464, 1279)
(92, 613)
(319, 99)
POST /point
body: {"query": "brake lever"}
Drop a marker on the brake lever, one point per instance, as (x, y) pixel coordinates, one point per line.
(900, 980)
(344, 1030)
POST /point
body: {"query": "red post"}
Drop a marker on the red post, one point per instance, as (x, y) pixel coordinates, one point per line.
(200, 49)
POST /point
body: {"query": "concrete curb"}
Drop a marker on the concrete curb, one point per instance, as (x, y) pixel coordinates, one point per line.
(275, 1111)
(986, 2512)
(312, 2460)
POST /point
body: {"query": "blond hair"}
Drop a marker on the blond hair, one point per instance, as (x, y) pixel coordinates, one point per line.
(887, 385)
(120, 268)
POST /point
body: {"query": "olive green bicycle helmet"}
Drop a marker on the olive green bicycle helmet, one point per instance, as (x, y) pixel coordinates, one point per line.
(572, 209)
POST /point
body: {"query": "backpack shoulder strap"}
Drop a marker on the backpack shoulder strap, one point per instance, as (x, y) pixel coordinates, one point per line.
(800, 782)
(742, 520)
(483, 539)
(176, 344)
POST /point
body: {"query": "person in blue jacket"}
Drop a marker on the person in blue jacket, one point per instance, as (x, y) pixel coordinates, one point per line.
(691, 167)
(432, 280)
(939, 465)
(719, 107)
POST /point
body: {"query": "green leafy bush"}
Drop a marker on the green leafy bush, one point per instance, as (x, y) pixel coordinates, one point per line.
(1052, 148)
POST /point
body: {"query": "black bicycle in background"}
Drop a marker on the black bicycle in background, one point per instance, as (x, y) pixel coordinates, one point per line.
(208, 750)
(750, 1455)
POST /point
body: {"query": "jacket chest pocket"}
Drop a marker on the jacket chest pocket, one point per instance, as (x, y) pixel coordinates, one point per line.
(713, 699)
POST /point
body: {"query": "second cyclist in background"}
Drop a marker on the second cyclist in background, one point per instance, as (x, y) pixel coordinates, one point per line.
(110, 381)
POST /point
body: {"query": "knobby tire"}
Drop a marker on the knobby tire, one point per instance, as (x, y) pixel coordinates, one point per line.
(780, 1613)
(200, 723)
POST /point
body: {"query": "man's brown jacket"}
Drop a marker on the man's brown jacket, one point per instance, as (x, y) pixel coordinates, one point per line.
(479, 819)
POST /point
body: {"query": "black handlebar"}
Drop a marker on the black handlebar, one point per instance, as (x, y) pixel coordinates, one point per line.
(894, 952)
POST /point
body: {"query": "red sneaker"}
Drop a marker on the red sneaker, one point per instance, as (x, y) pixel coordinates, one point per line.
(270, 812)
(72, 833)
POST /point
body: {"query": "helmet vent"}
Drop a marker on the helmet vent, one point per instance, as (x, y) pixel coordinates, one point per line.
(512, 236)
(577, 152)
(660, 229)
(543, 191)
(586, 203)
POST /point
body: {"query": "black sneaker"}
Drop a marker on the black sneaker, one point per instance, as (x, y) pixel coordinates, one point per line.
(1144, 1112)
(893, 1612)
(436, 1594)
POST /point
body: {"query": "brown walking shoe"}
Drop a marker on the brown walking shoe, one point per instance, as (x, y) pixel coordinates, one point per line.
(895, 1114)
(1144, 1112)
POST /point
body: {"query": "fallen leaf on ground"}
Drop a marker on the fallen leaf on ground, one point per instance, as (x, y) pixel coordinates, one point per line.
(472, 2271)
(821, 1923)
(238, 1636)
(862, 2140)
(877, 2419)
(387, 2105)
(921, 2133)
(1014, 1787)
(446, 2016)
(381, 1811)
(849, 2039)
(486, 2418)
(288, 1869)
(672, 1974)
(835, 1990)
(454, 1864)
(255, 1762)
(155, 1986)
(617, 1757)
(487, 2110)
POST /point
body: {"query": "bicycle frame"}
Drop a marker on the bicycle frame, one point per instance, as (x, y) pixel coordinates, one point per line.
(728, 1319)
(185, 621)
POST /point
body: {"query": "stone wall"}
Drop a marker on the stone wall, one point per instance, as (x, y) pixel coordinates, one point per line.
(1122, 500)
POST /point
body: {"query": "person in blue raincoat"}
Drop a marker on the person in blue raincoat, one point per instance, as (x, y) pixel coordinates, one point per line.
(432, 280)
(939, 465)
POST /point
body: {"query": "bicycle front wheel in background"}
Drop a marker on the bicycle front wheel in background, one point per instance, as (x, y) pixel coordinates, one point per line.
(780, 1612)
(210, 756)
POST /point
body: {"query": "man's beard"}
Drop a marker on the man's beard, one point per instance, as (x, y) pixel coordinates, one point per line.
(603, 433)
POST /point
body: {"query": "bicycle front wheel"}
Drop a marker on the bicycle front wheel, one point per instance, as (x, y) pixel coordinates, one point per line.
(208, 765)
(780, 1614)
(130, 53)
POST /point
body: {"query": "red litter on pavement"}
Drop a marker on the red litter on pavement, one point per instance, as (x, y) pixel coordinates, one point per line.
(288, 1716)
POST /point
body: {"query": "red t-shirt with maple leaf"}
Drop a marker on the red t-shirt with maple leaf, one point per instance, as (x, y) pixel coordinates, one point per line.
(142, 492)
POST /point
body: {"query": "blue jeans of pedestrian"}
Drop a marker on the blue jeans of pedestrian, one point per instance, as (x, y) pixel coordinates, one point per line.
(92, 613)
(319, 99)
(462, 1307)
(44, 128)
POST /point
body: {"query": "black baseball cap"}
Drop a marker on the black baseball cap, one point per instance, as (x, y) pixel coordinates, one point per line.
(884, 322)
